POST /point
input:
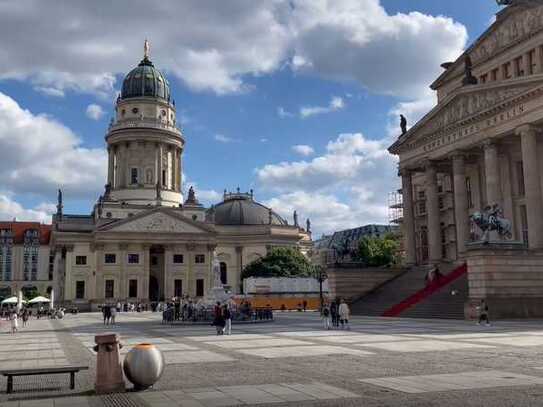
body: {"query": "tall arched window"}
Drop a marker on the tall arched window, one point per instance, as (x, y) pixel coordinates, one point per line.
(224, 279)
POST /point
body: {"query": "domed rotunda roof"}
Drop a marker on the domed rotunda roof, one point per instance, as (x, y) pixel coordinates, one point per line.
(240, 209)
(145, 80)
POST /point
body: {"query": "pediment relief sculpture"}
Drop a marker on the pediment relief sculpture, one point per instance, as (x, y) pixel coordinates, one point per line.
(157, 222)
(515, 27)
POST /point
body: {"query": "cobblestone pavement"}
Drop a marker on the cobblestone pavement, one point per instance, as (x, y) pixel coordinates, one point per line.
(291, 362)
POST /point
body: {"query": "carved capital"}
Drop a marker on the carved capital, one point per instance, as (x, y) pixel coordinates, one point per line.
(239, 249)
(69, 247)
(190, 246)
(211, 247)
(525, 130)
(98, 246)
(123, 246)
(146, 246)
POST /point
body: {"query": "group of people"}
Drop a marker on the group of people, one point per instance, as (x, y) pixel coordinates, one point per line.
(24, 314)
(222, 319)
(336, 314)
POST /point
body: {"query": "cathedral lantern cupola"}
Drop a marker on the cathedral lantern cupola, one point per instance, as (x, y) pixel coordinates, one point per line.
(145, 145)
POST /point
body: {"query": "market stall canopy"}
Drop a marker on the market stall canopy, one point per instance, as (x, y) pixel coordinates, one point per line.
(38, 300)
(10, 300)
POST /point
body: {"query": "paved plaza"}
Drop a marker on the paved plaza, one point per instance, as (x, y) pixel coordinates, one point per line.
(290, 362)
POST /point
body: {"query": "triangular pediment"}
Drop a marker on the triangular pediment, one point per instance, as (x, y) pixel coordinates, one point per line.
(158, 221)
(470, 104)
(513, 25)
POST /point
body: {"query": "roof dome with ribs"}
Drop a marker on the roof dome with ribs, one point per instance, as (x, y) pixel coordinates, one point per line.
(240, 209)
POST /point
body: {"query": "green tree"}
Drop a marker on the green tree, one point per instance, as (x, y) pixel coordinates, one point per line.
(378, 251)
(279, 262)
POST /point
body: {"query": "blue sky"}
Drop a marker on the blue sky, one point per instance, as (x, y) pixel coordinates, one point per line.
(241, 77)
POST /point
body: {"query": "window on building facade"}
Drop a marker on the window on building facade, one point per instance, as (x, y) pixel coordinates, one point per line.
(154, 260)
(484, 78)
(520, 179)
(81, 260)
(532, 65)
(200, 287)
(133, 258)
(441, 202)
(506, 68)
(109, 289)
(133, 176)
(178, 258)
(6, 247)
(200, 258)
(31, 246)
(422, 207)
(524, 223)
(494, 75)
(110, 258)
(79, 290)
(519, 66)
(51, 266)
(469, 193)
(177, 288)
(224, 275)
(132, 288)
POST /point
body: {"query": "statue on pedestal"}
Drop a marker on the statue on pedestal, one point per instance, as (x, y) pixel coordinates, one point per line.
(295, 216)
(491, 219)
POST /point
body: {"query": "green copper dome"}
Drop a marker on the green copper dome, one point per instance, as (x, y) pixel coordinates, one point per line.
(145, 80)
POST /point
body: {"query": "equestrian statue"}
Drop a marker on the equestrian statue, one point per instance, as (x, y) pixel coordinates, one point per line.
(491, 219)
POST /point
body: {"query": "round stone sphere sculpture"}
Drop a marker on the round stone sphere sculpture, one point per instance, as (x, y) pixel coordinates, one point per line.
(143, 365)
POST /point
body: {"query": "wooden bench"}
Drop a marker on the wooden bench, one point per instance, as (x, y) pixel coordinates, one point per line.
(41, 371)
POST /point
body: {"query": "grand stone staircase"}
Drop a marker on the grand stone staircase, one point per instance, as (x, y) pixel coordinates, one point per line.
(439, 304)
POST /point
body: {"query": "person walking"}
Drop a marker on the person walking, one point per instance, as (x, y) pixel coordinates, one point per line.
(344, 315)
(24, 317)
(218, 319)
(483, 313)
(113, 314)
(227, 314)
(326, 316)
(14, 322)
(333, 313)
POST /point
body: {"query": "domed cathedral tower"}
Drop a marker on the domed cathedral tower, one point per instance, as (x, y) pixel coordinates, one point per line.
(144, 144)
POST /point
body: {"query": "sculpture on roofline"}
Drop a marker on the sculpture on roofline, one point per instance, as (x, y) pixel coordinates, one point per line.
(469, 79)
(403, 124)
(491, 219)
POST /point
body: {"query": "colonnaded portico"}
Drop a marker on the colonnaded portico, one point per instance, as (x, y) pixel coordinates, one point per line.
(478, 149)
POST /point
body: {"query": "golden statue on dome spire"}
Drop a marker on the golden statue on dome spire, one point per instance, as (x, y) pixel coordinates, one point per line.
(146, 48)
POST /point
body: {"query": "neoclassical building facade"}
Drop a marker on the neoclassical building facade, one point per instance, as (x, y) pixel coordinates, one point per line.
(143, 241)
(479, 147)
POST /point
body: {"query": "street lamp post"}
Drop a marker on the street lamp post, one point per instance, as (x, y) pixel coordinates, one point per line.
(320, 274)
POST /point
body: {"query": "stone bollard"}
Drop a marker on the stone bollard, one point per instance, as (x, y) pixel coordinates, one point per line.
(109, 373)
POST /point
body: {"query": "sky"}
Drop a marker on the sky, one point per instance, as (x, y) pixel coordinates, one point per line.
(296, 99)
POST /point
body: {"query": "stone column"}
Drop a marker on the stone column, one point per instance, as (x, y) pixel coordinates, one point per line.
(168, 254)
(120, 163)
(123, 283)
(179, 169)
(210, 250)
(408, 217)
(532, 185)
(143, 292)
(157, 158)
(239, 251)
(460, 203)
(68, 289)
(432, 207)
(191, 282)
(110, 170)
(492, 174)
(160, 161)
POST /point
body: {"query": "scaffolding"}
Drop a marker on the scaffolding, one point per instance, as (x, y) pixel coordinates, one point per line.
(395, 207)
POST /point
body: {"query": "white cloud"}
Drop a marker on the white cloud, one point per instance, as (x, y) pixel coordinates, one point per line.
(282, 113)
(336, 103)
(358, 41)
(304, 150)
(218, 45)
(94, 111)
(10, 210)
(264, 140)
(343, 188)
(52, 158)
(221, 138)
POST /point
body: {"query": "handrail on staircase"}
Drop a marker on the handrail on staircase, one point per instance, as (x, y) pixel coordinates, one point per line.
(427, 291)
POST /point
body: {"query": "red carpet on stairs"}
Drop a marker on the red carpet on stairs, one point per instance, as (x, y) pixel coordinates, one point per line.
(427, 291)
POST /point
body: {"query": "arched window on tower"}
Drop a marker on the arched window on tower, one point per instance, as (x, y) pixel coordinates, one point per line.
(224, 275)
(169, 181)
